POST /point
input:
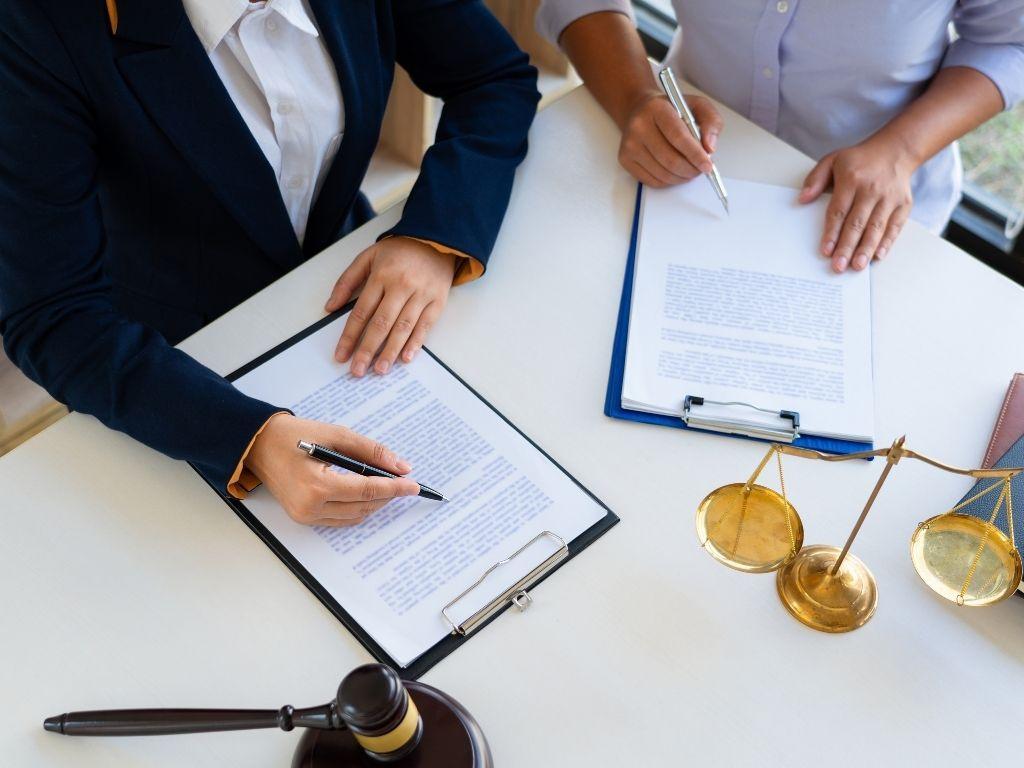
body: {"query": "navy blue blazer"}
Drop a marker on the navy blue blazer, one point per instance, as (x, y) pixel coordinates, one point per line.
(136, 206)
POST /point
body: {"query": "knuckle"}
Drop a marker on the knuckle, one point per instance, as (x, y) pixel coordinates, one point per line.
(380, 453)
(359, 314)
(366, 490)
(856, 224)
(404, 325)
(381, 322)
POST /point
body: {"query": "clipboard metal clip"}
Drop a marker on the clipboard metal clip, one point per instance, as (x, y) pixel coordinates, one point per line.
(514, 595)
(701, 413)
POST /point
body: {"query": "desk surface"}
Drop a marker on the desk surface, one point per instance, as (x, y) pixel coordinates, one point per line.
(125, 582)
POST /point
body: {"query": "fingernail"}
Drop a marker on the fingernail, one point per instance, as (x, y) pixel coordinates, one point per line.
(358, 369)
(407, 356)
(881, 252)
(841, 264)
(383, 366)
(403, 465)
(860, 261)
(828, 247)
(712, 141)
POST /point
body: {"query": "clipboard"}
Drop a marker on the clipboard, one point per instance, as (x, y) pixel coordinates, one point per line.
(518, 594)
(738, 426)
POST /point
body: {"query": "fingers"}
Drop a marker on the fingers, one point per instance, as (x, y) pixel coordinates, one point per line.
(835, 215)
(400, 334)
(357, 320)
(364, 449)
(427, 319)
(349, 282)
(636, 157)
(342, 515)
(854, 226)
(708, 119)
(892, 231)
(376, 330)
(817, 180)
(865, 251)
(679, 137)
(361, 491)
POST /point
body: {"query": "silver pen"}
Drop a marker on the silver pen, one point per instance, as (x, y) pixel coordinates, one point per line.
(675, 95)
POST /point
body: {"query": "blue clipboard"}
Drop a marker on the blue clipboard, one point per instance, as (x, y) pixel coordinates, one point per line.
(613, 398)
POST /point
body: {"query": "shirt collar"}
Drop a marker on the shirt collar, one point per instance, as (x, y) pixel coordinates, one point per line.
(212, 19)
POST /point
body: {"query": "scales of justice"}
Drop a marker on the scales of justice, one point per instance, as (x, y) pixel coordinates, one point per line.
(962, 558)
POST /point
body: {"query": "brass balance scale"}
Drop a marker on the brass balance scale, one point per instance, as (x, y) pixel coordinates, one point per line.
(962, 558)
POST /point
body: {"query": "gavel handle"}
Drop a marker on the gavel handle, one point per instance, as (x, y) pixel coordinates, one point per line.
(157, 722)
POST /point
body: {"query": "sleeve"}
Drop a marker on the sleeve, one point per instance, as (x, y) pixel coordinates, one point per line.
(554, 16)
(57, 318)
(456, 50)
(991, 40)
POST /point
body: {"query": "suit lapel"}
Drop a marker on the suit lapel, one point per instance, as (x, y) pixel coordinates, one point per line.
(350, 33)
(173, 78)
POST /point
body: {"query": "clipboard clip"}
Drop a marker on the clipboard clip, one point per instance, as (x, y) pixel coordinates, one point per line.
(514, 595)
(784, 426)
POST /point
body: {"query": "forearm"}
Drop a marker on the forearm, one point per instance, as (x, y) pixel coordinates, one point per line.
(606, 51)
(957, 101)
(458, 52)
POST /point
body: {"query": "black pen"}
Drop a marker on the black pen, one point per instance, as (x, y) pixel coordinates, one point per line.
(328, 456)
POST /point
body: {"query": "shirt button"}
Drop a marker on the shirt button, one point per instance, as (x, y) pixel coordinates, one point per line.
(782, 6)
(295, 182)
(284, 108)
(767, 72)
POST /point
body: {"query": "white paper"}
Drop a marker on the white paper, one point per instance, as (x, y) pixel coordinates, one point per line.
(397, 570)
(743, 308)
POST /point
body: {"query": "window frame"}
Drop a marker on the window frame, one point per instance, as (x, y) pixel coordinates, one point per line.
(979, 222)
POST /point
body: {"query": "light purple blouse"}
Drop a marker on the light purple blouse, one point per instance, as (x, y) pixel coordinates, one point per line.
(825, 74)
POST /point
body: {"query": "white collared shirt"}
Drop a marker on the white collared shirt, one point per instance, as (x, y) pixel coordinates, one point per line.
(279, 74)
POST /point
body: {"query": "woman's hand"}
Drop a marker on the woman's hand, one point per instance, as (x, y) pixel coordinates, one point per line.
(405, 287)
(871, 200)
(310, 491)
(657, 147)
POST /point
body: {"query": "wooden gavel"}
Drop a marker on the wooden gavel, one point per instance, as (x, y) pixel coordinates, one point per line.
(374, 718)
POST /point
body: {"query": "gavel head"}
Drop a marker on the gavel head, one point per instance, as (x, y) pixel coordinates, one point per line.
(378, 711)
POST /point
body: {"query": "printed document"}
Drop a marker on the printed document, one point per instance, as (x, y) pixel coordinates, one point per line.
(744, 308)
(396, 571)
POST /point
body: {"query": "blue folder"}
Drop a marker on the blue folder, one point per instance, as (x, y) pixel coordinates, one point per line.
(613, 398)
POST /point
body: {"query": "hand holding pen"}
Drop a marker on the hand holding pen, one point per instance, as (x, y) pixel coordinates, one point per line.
(658, 149)
(310, 491)
(675, 95)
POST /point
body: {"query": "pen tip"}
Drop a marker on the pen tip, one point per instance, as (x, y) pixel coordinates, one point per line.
(444, 499)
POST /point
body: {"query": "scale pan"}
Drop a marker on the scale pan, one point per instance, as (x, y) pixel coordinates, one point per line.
(747, 530)
(943, 549)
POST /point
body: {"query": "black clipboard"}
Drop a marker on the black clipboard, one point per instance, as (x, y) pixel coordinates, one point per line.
(452, 641)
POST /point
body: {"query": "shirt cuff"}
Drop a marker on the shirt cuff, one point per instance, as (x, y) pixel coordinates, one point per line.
(1002, 63)
(242, 480)
(554, 16)
(468, 269)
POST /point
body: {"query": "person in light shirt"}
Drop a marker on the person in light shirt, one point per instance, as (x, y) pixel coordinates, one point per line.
(163, 160)
(876, 91)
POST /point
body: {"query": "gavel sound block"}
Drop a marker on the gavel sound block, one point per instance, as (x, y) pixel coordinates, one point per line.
(374, 719)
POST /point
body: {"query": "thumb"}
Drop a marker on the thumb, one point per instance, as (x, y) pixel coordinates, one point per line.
(817, 180)
(349, 282)
(709, 120)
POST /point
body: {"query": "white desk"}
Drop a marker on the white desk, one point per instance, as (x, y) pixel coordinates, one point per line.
(126, 582)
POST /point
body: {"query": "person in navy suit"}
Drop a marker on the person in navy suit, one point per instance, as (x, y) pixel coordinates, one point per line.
(162, 160)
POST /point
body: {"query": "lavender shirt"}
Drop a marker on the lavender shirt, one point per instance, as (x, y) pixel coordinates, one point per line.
(825, 74)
